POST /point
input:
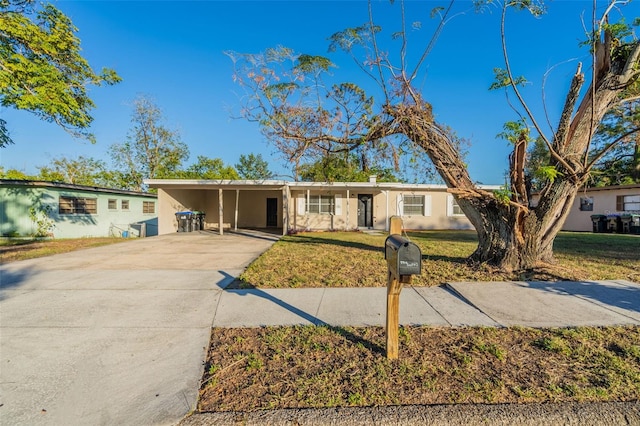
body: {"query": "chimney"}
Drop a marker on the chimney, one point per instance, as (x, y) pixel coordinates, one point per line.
(372, 179)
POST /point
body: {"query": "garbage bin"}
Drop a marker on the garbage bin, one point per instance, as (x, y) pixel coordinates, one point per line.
(634, 226)
(626, 223)
(599, 223)
(615, 223)
(184, 221)
(198, 221)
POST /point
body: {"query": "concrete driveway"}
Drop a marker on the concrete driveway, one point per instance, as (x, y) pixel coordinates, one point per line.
(115, 334)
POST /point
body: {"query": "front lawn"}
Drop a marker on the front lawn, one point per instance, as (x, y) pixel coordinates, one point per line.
(20, 249)
(309, 366)
(356, 259)
(322, 366)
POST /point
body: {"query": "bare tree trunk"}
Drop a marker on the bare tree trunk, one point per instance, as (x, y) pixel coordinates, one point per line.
(511, 236)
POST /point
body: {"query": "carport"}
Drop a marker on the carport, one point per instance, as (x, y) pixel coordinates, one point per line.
(230, 204)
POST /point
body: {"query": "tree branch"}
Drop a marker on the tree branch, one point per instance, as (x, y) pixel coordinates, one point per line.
(432, 41)
(376, 52)
(510, 74)
(631, 67)
(609, 146)
(567, 112)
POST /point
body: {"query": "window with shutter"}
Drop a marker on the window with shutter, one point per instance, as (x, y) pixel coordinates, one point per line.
(77, 205)
(413, 205)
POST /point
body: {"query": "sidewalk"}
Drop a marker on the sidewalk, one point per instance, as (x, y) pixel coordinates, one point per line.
(497, 304)
(118, 334)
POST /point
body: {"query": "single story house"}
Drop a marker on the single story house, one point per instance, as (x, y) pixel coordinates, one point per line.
(306, 206)
(608, 200)
(60, 210)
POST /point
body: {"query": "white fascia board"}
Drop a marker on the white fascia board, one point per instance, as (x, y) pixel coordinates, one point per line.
(161, 183)
(258, 184)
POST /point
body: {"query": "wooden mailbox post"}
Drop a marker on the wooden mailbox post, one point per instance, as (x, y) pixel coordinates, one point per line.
(403, 261)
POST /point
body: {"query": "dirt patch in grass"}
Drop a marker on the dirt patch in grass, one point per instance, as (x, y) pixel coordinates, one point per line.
(354, 259)
(321, 366)
(12, 249)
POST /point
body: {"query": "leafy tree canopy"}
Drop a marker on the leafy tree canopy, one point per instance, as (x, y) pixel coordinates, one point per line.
(152, 151)
(208, 168)
(41, 69)
(253, 167)
(342, 168)
(78, 171)
(306, 115)
(15, 174)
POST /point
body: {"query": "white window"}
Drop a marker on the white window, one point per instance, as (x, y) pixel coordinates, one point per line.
(628, 203)
(453, 209)
(320, 204)
(414, 205)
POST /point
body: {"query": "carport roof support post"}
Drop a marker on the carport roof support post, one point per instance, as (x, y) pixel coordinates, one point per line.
(220, 212)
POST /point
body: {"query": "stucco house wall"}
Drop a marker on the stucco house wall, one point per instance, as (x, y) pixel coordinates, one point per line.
(309, 205)
(252, 207)
(437, 211)
(603, 201)
(116, 211)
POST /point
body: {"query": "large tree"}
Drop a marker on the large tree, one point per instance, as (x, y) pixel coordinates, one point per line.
(208, 168)
(342, 168)
(299, 112)
(151, 151)
(15, 174)
(41, 69)
(253, 166)
(616, 152)
(78, 171)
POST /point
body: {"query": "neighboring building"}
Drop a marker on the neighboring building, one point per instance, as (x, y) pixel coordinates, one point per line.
(38, 208)
(299, 206)
(609, 200)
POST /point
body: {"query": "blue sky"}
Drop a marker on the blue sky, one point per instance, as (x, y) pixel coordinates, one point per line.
(173, 52)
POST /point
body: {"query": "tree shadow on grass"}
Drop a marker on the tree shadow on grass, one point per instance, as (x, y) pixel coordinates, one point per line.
(309, 239)
(460, 236)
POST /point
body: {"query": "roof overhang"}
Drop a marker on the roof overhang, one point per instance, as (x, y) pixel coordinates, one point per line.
(72, 187)
(263, 185)
(216, 184)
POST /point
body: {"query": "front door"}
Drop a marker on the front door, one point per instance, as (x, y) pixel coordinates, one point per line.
(272, 212)
(365, 210)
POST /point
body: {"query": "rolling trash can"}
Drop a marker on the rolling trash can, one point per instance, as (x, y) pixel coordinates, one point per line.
(615, 223)
(626, 223)
(599, 223)
(198, 221)
(184, 221)
(634, 226)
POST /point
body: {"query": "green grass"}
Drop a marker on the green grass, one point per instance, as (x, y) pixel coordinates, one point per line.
(311, 366)
(354, 259)
(21, 249)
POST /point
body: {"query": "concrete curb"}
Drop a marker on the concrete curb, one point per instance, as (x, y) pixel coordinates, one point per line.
(579, 414)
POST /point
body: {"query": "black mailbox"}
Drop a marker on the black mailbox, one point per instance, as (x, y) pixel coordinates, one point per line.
(403, 256)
